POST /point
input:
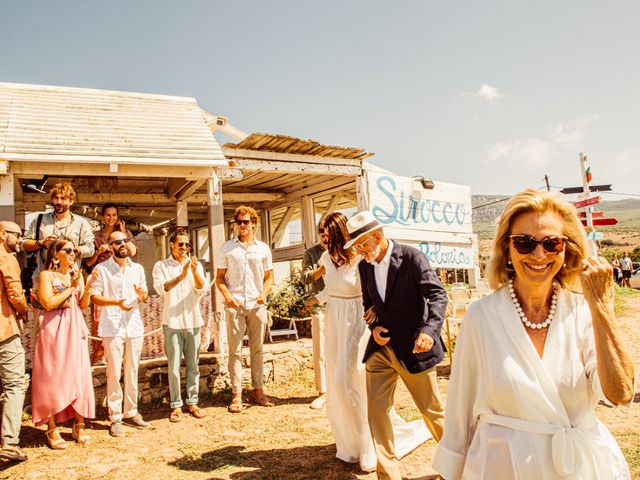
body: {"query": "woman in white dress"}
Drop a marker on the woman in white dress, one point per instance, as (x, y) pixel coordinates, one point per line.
(534, 358)
(346, 336)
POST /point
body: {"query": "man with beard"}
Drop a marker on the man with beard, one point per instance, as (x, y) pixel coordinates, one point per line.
(59, 222)
(118, 289)
(409, 303)
(179, 280)
(13, 305)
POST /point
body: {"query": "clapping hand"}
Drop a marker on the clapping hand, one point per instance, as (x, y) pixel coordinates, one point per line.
(91, 278)
(185, 270)
(141, 293)
(121, 303)
(75, 277)
(193, 263)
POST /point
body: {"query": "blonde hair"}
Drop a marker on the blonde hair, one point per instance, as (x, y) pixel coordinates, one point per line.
(534, 201)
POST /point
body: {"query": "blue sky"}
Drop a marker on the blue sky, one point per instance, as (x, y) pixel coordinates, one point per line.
(490, 94)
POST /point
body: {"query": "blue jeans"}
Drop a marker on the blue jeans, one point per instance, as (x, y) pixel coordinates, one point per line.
(176, 343)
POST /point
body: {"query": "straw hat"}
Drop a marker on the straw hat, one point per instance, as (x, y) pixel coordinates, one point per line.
(359, 225)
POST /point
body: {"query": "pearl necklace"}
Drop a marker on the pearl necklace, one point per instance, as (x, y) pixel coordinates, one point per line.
(523, 317)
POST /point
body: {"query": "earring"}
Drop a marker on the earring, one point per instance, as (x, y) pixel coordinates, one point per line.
(509, 262)
(564, 265)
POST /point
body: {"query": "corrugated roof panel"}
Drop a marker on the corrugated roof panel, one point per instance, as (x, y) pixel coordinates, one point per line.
(284, 144)
(44, 123)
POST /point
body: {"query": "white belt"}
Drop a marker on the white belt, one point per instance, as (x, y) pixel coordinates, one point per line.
(566, 441)
(345, 297)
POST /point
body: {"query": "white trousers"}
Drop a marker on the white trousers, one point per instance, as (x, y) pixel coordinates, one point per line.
(116, 349)
(317, 336)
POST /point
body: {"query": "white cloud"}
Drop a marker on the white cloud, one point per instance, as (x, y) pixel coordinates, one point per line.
(534, 153)
(487, 92)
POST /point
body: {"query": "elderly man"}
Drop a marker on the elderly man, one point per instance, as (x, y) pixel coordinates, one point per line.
(245, 278)
(409, 304)
(180, 281)
(46, 227)
(14, 305)
(118, 289)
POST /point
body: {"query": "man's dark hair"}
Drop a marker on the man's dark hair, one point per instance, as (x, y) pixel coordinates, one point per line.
(177, 232)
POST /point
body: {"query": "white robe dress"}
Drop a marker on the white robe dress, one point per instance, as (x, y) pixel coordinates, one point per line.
(513, 415)
(346, 336)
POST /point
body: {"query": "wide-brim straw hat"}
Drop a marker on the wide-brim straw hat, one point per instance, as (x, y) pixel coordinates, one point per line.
(359, 225)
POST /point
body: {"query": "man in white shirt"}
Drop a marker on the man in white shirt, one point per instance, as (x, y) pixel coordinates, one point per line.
(245, 278)
(180, 281)
(119, 287)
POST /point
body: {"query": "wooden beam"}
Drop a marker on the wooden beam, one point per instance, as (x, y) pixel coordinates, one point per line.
(282, 224)
(241, 153)
(152, 199)
(92, 168)
(333, 203)
(274, 166)
(191, 189)
(294, 193)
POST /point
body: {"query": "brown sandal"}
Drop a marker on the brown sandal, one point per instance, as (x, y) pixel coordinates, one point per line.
(195, 412)
(235, 406)
(176, 415)
(263, 401)
(55, 443)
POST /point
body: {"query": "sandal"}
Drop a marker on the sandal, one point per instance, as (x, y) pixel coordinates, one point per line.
(82, 438)
(263, 401)
(195, 412)
(176, 415)
(12, 452)
(235, 406)
(55, 441)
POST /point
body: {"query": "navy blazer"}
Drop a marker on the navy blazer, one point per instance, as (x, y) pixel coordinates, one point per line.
(415, 302)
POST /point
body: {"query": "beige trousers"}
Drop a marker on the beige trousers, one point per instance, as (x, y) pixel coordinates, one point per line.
(317, 337)
(254, 321)
(383, 370)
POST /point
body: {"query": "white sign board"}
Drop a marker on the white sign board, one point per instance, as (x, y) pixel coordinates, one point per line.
(435, 220)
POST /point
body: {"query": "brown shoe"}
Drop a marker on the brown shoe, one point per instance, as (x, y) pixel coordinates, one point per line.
(195, 411)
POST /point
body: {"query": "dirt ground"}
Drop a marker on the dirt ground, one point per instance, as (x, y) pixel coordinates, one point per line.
(287, 441)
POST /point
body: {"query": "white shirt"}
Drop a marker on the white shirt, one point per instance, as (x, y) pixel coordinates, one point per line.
(181, 308)
(381, 271)
(114, 282)
(246, 267)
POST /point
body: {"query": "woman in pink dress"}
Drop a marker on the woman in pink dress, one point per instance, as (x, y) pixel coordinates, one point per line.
(62, 385)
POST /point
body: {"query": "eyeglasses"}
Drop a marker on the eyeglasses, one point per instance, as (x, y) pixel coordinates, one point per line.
(243, 222)
(69, 251)
(525, 244)
(17, 234)
(361, 245)
(184, 244)
(120, 241)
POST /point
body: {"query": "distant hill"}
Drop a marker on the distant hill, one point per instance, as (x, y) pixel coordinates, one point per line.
(487, 209)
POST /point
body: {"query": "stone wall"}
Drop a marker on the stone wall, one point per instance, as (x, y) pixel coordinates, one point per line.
(153, 383)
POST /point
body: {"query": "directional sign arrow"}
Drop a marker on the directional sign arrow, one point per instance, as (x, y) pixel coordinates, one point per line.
(600, 222)
(593, 214)
(595, 235)
(587, 202)
(592, 188)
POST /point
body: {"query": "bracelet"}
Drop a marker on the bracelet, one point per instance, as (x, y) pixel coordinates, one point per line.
(38, 244)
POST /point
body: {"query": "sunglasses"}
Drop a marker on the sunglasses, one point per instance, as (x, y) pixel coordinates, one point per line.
(243, 222)
(361, 245)
(184, 244)
(525, 244)
(321, 230)
(69, 251)
(120, 241)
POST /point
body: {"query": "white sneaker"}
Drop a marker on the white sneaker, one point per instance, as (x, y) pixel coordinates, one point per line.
(318, 403)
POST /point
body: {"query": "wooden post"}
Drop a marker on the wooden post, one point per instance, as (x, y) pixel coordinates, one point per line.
(7, 203)
(182, 215)
(216, 239)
